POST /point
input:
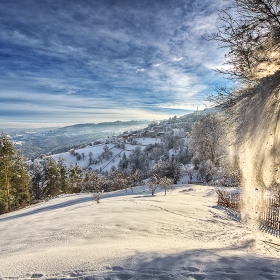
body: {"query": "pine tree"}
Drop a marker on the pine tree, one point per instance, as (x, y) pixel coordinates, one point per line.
(123, 164)
(20, 182)
(14, 177)
(51, 177)
(90, 181)
(36, 180)
(63, 175)
(7, 153)
(75, 177)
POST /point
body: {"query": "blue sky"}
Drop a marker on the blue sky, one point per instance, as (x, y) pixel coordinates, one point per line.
(85, 61)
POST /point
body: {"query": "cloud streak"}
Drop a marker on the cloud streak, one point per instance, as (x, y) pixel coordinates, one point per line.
(105, 55)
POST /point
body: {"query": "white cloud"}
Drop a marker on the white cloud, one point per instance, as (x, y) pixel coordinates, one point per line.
(114, 59)
(177, 58)
(140, 70)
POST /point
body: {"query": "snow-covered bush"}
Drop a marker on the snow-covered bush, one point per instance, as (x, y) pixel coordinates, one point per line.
(97, 195)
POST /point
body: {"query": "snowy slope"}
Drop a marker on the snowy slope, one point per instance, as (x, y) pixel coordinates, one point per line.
(98, 149)
(133, 236)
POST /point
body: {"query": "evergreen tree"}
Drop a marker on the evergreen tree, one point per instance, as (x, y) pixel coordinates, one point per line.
(123, 164)
(90, 181)
(51, 177)
(14, 178)
(63, 175)
(90, 158)
(36, 180)
(7, 153)
(20, 182)
(75, 177)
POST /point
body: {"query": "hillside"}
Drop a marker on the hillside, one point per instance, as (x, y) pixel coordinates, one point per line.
(34, 142)
(96, 150)
(133, 236)
(85, 135)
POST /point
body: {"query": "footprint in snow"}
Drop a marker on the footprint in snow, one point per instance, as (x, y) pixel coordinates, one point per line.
(265, 269)
(117, 268)
(37, 275)
(190, 268)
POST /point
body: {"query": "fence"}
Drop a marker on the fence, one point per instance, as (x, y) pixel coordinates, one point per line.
(269, 218)
(229, 200)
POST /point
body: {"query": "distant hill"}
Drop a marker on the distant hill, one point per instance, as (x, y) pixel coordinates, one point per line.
(34, 142)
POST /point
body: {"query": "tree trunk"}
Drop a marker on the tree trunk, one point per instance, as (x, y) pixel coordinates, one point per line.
(37, 192)
(7, 183)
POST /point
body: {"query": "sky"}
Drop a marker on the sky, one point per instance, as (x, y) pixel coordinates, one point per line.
(64, 62)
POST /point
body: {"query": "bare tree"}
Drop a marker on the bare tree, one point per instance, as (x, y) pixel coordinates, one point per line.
(153, 183)
(208, 137)
(189, 172)
(250, 30)
(165, 183)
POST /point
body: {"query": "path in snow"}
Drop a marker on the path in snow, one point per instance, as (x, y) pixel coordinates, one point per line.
(134, 236)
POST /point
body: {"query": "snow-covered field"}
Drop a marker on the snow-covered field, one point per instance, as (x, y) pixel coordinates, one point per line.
(182, 235)
(96, 150)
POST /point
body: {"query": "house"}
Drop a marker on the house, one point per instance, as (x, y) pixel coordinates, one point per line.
(126, 135)
(150, 133)
(161, 133)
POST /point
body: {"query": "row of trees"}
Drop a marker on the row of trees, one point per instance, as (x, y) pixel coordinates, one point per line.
(98, 183)
(21, 184)
(51, 178)
(14, 177)
(156, 181)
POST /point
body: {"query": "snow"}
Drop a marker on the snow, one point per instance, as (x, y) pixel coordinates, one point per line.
(96, 150)
(147, 141)
(18, 142)
(133, 235)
